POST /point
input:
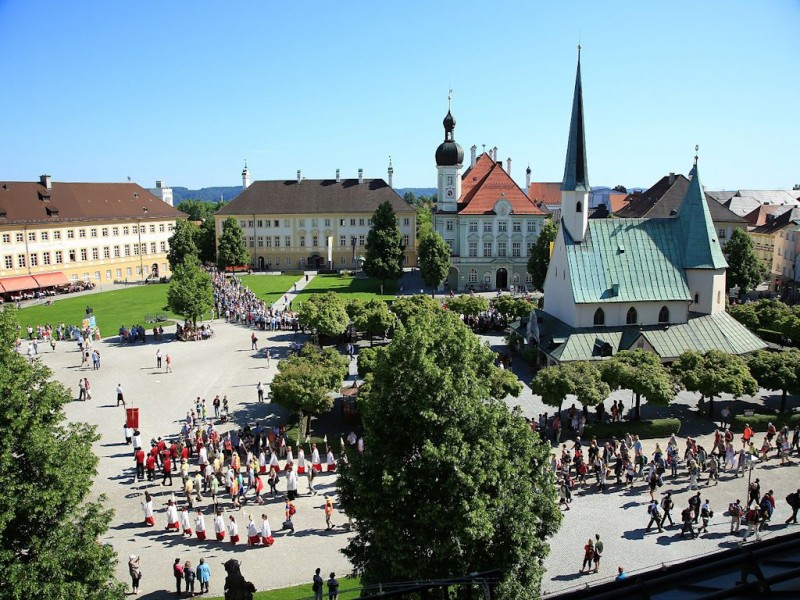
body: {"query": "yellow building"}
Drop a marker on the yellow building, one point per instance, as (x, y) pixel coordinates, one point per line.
(774, 234)
(287, 224)
(54, 233)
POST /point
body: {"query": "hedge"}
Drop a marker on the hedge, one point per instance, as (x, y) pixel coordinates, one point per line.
(759, 421)
(656, 428)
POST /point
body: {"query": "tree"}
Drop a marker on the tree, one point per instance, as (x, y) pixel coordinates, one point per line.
(374, 318)
(424, 220)
(434, 260)
(182, 243)
(383, 258)
(367, 359)
(48, 534)
(776, 371)
(512, 308)
(621, 189)
(713, 373)
(200, 210)
(231, 251)
(540, 254)
(582, 379)
(206, 240)
(746, 315)
(191, 292)
(326, 313)
(426, 411)
(306, 383)
(643, 374)
(469, 306)
(409, 306)
(744, 268)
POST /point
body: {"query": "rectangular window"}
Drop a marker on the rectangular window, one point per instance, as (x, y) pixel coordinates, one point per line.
(6, 238)
(20, 237)
(153, 247)
(152, 228)
(516, 227)
(95, 254)
(288, 261)
(353, 241)
(487, 248)
(501, 248)
(315, 241)
(93, 232)
(118, 273)
(261, 241)
(267, 223)
(135, 229)
(31, 236)
(116, 251)
(406, 221)
(125, 230)
(84, 254)
(115, 231)
(34, 260)
(251, 241)
(250, 224)
(70, 234)
(487, 227)
(369, 222)
(342, 260)
(530, 247)
(473, 249)
(473, 227)
(56, 235)
(516, 249)
(327, 222)
(161, 227)
(144, 248)
(128, 272)
(302, 241)
(72, 256)
(127, 249)
(361, 222)
(108, 275)
(343, 240)
(277, 241)
(59, 257)
(44, 236)
(502, 227)
(342, 222)
(106, 252)
(531, 226)
(46, 258)
(81, 233)
(472, 276)
(21, 260)
(352, 222)
(268, 240)
(9, 261)
(136, 249)
(260, 222)
(362, 240)
(287, 241)
(277, 223)
(314, 222)
(448, 225)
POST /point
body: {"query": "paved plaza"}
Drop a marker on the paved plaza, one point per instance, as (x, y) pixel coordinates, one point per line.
(226, 365)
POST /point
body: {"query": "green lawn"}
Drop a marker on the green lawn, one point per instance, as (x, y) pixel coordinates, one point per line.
(119, 307)
(269, 287)
(347, 589)
(350, 287)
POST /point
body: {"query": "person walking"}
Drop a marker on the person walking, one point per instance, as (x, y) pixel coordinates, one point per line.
(687, 517)
(189, 576)
(316, 585)
(253, 342)
(753, 522)
(219, 526)
(173, 521)
(598, 551)
(333, 587)
(260, 390)
(203, 576)
(147, 508)
(793, 500)
(81, 389)
(288, 512)
(233, 530)
(735, 512)
(135, 569)
(311, 474)
(169, 364)
(754, 492)
(158, 358)
(291, 483)
(655, 516)
(328, 513)
(705, 514)
(266, 531)
(200, 527)
(588, 555)
(667, 505)
(120, 395)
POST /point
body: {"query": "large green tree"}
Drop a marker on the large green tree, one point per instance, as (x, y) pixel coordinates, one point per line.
(540, 254)
(641, 372)
(326, 313)
(776, 371)
(372, 317)
(434, 260)
(432, 496)
(512, 308)
(470, 306)
(191, 292)
(581, 379)
(182, 243)
(383, 258)
(48, 534)
(408, 306)
(206, 241)
(200, 210)
(713, 373)
(744, 268)
(306, 383)
(231, 250)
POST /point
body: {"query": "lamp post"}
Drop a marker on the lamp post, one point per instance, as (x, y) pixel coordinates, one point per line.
(141, 253)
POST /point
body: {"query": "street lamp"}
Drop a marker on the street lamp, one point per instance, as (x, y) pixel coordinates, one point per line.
(139, 231)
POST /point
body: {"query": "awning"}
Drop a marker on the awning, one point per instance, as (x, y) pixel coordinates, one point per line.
(18, 284)
(51, 279)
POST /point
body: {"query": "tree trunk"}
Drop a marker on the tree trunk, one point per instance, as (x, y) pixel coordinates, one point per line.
(783, 400)
(711, 406)
(638, 412)
(300, 432)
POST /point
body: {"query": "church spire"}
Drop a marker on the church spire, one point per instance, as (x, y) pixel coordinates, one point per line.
(576, 173)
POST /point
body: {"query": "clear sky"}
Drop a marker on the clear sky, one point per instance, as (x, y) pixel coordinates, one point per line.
(185, 91)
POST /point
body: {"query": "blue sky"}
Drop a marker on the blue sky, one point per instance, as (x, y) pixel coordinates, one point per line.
(185, 91)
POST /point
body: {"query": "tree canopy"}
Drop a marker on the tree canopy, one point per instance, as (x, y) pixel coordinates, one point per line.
(779, 371)
(191, 291)
(512, 308)
(408, 306)
(469, 306)
(744, 268)
(581, 379)
(372, 317)
(182, 243)
(713, 373)
(434, 260)
(426, 411)
(48, 535)
(326, 313)
(641, 372)
(383, 258)
(231, 250)
(200, 210)
(206, 241)
(540, 254)
(772, 319)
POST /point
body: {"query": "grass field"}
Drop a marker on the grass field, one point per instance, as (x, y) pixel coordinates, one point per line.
(350, 287)
(111, 309)
(347, 589)
(269, 287)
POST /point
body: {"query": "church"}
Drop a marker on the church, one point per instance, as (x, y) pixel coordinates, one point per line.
(656, 284)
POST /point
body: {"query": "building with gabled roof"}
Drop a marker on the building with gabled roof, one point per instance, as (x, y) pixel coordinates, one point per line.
(654, 283)
(487, 220)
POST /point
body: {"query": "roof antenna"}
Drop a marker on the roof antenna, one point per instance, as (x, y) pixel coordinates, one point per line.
(449, 97)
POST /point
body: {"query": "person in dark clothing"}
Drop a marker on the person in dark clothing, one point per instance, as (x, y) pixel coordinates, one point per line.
(794, 503)
(177, 572)
(333, 587)
(316, 585)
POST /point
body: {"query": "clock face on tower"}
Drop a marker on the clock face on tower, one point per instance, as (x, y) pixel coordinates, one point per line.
(450, 192)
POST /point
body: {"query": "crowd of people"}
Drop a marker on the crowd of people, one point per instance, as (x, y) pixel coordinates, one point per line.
(237, 303)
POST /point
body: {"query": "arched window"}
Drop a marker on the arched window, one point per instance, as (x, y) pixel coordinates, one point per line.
(599, 317)
(631, 317)
(697, 298)
(578, 207)
(663, 315)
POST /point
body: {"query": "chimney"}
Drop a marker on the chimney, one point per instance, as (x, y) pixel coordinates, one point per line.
(494, 154)
(508, 166)
(473, 151)
(299, 176)
(671, 178)
(45, 181)
(528, 180)
(361, 176)
(338, 179)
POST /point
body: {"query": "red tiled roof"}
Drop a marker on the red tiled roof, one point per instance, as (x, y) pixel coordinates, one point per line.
(488, 183)
(618, 202)
(548, 193)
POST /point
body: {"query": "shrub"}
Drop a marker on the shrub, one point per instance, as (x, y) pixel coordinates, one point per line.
(656, 428)
(759, 421)
(776, 337)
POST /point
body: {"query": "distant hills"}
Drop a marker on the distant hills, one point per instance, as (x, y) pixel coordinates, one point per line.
(228, 193)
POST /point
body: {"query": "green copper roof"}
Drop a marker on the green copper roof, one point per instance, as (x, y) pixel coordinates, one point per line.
(700, 333)
(626, 260)
(576, 173)
(701, 249)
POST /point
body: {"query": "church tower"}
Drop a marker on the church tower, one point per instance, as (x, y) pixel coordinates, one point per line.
(575, 186)
(245, 176)
(449, 158)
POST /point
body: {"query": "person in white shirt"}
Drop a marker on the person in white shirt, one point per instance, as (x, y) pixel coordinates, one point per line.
(172, 515)
(200, 526)
(253, 537)
(273, 462)
(291, 483)
(136, 440)
(301, 462)
(266, 532)
(128, 430)
(262, 462)
(289, 457)
(219, 526)
(331, 461)
(233, 530)
(147, 507)
(202, 456)
(316, 464)
(186, 523)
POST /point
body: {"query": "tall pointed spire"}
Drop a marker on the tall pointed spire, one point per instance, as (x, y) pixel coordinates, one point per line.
(576, 173)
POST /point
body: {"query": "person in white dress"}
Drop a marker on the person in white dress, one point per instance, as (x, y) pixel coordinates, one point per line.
(289, 457)
(262, 462)
(233, 531)
(173, 522)
(331, 461)
(253, 537)
(266, 532)
(219, 526)
(186, 523)
(147, 507)
(200, 526)
(301, 462)
(316, 463)
(273, 462)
